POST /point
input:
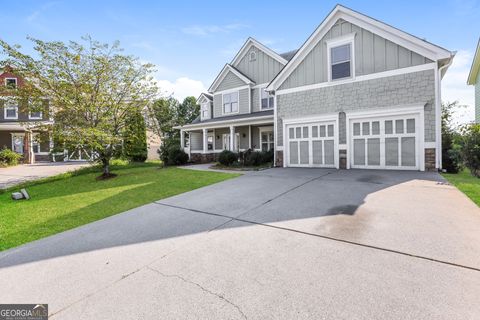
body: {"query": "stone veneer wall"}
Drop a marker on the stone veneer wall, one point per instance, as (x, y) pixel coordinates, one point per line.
(417, 88)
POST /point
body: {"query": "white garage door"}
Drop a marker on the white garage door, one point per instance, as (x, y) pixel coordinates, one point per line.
(385, 143)
(311, 145)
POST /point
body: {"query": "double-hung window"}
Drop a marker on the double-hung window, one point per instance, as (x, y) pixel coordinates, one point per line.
(11, 111)
(205, 111)
(341, 61)
(266, 99)
(230, 102)
(11, 83)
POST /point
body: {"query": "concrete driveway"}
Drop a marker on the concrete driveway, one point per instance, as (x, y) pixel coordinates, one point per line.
(11, 176)
(276, 244)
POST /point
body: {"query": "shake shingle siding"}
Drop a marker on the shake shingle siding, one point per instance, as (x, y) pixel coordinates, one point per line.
(390, 92)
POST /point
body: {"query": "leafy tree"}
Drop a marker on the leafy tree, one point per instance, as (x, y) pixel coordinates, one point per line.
(135, 138)
(163, 115)
(187, 111)
(93, 88)
(451, 150)
(471, 148)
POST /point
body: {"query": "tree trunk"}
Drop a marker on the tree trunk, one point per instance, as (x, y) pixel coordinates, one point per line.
(106, 167)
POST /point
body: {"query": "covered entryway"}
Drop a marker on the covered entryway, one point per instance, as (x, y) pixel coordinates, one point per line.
(311, 143)
(386, 141)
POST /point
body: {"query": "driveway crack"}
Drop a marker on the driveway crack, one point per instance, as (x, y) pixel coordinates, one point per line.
(221, 297)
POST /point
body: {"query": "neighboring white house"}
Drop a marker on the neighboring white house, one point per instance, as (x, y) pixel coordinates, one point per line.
(474, 80)
(358, 93)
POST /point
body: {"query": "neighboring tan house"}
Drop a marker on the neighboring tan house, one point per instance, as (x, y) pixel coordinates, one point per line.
(358, 93)
(19, 127)
(474, 80)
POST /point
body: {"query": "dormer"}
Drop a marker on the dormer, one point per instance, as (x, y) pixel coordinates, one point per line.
(206, 103)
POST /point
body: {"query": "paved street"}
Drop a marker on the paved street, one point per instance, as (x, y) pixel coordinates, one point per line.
(11, 176)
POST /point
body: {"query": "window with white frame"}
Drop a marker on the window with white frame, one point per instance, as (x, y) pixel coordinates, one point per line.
(205, 110)
(10, 110)
(230, 102)
(266, 99)
(266, 138)
(11, 83)
(341, 61)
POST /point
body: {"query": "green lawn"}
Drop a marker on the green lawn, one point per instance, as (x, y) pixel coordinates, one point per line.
(70, 200)
(467, 183)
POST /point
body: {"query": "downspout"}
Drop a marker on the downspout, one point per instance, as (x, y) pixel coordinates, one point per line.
(439, 112)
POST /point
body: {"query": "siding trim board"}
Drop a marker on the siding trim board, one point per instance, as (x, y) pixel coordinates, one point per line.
(423, 67)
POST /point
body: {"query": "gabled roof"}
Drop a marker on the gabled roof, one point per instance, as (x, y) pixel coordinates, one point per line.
(472, 76)
(228, 68)
(206, 96)
(415, 44)
(246, 47)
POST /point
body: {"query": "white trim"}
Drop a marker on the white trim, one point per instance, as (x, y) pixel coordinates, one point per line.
(264, 85)
(11, 78)
(252, 42)
(275, 132)
(231, 90)
(372, 76)
(221, 124)
(472, 75)
(339, 41)
(260, 99)
(238, 103)
(384, 30)
(342, 146)
(279, 148)
(6, 107)
(330, 118)
(35, 118)
(265, 129)
(430, 145)
(416, 111)
(228, 68)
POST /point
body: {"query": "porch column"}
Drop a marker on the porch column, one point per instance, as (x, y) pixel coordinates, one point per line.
(205, 140)
(214, 140)
(50, 146)
(232, 137)
(189, 144)
(249, 137)
(182, 139)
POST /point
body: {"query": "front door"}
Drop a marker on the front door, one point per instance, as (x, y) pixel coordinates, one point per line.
(17, 143)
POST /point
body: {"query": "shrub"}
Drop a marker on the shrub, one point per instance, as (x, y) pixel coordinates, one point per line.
(227, 158)
(171, 154)
(255, 158)
(9, 157)
(471, 149)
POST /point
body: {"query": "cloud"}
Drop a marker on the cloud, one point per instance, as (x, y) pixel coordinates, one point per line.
(36, 14)
(207, 30)
(182, 87)
(454, 86)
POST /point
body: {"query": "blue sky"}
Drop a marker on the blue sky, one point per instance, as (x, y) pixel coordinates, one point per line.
(190, 41)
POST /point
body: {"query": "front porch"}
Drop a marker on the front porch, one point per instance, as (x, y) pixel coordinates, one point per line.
(204, 144)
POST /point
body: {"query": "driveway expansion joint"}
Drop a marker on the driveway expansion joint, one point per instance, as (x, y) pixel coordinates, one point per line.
(320, 236)
(221, 297)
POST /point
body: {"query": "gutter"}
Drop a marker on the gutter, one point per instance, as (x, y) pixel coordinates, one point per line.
(439, 111)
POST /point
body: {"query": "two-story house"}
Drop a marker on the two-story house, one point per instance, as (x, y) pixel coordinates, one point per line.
(19, 123)
(358, 93)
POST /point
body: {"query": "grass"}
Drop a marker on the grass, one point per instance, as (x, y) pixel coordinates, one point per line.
(466, 183)
(70, 200)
